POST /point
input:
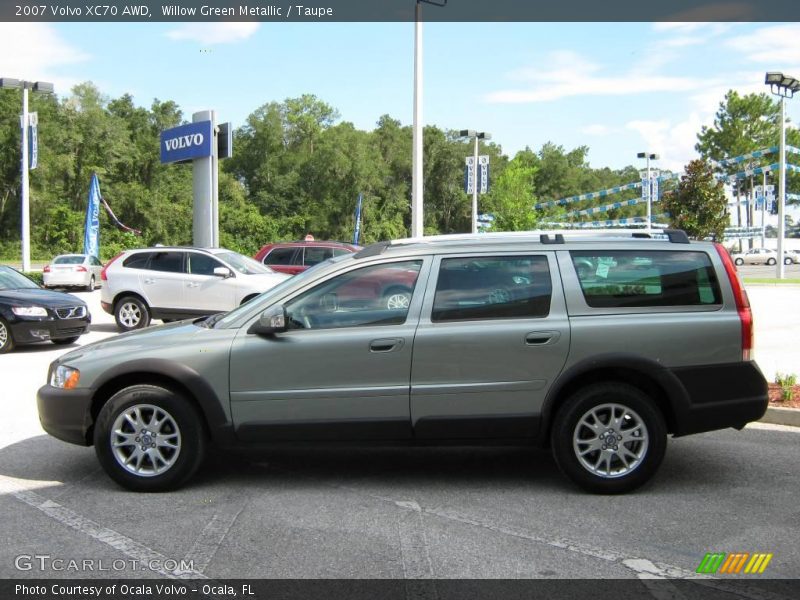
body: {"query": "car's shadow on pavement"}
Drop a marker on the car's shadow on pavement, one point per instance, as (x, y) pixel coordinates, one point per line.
(104, 327)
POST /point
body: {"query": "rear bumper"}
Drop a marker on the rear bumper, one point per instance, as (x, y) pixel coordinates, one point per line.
(720, 396)
(65, 414)
(65, 279)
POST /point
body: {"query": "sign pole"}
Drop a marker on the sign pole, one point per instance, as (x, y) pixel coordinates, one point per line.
(25, 192)
(203, 224)
(475, 188)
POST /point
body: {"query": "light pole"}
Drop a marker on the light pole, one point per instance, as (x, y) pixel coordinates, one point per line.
(649, 156)
(25, 234)
(785, 87)
(471, 133)
(417, 212)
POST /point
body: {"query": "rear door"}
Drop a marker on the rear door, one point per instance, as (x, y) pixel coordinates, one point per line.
(163, 279)
(285, 259)
(493, 336)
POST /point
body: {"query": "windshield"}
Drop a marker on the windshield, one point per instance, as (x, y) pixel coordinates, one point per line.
(12, 280)
(69, 260)
(243, 264)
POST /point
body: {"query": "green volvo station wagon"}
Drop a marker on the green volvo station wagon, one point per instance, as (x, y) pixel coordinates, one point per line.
(599, 346)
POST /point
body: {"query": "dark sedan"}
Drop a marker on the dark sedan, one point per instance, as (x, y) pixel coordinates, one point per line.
(30, 314)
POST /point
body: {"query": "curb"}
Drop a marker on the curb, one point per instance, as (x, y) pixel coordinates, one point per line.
(782, 416)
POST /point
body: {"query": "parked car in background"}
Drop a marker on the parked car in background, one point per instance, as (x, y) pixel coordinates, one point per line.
(598, 346)
(73, 270)
(31, 314)
(791, 257)
(172, 283)
(295, 257)
(756, 256)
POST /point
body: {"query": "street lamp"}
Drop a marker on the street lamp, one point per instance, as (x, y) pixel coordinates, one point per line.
(649, 156)
(417, 220)
(785, 87)
(471, 133)
(44, 88)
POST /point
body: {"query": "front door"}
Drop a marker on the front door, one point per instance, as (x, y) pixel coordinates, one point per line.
(493, 336)
(205, 291)
(342, 369)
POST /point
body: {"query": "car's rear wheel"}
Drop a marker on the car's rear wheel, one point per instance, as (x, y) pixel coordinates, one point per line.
(6, 339)
(787, 261)
(609, 438)
(739, 261)
(91, 286)
(149, 439)
(66, 341)
(131, 313)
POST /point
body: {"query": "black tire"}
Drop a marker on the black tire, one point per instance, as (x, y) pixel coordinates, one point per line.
(787, 261)
(650, 448)
(739, 261)
(91, 286)
(131, 313)
(6, 337)
(191, 438)
(66, 341)
(771, 261)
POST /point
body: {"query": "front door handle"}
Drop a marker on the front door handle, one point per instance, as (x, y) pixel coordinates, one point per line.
(541, 338)
(386, 345)
(149, 281)
(193, 284)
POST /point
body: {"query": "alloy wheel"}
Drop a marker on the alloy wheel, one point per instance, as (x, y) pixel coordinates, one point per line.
(145, 440)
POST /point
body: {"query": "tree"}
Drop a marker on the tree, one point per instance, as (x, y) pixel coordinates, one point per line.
(511, 201)
(698, 206)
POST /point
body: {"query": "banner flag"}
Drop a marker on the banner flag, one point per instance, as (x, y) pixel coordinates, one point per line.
(33, 139)
(91, 228)
(469, 176)
(483, 174)
(357, 230)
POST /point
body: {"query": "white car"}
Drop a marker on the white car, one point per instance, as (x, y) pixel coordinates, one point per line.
(179, 283)
(756, 256)
(73, 270)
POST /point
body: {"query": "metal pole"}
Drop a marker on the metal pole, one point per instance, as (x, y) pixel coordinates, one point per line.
(475, 187)
(764, 212)
(649, 196)
(203, 225)
(416, 158)
(25, 200)
(214, 183)
(781, 191)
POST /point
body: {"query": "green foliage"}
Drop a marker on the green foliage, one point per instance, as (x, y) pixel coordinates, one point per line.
(787, 382)
(37, 276)
(698, 205)
(512, 197)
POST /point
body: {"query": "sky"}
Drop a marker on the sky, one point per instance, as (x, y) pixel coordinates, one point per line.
(617, 88)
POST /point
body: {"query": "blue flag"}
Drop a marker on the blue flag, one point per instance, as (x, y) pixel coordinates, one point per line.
(91, 228)
(357, 230)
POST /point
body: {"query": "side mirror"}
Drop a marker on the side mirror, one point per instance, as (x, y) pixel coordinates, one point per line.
(223, 272)
(271, 321)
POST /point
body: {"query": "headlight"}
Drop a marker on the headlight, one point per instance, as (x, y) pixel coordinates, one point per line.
(29, 311)
(65, 377)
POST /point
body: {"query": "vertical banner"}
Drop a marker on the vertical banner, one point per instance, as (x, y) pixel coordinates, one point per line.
(357, 230)
(91, 228)
(644, 188)
(33, 139)
(483, 174)
(654, 189)
(469, 174)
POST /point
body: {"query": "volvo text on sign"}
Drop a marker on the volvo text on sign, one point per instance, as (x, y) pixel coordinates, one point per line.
(186, 142)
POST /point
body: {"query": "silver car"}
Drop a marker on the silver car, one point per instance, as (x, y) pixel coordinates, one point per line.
(599, 347)
(73, 270)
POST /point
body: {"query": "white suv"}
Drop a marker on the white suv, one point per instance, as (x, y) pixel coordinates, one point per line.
(179, 283)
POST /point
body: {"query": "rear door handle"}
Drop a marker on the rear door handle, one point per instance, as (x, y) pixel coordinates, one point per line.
(541, 338)
(149, 281)
(386, 345)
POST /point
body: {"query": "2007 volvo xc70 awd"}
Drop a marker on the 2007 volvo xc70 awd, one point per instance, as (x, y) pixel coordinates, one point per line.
(598, 346)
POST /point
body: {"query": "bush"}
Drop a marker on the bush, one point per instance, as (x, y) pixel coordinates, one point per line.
(37, 276)
(787, 382)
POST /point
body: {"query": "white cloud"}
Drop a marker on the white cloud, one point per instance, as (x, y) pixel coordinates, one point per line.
(673, 142)
(214, 33)
(45, 54)
(597, 129)
(777, 46)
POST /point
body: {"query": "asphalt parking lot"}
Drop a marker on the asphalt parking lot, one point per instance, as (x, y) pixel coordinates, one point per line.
(415, 513)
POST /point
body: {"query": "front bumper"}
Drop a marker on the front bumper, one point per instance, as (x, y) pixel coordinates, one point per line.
(66, 414)
(26, 331)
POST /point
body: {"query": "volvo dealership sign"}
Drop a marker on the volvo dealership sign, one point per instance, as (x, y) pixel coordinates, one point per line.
(187, 142)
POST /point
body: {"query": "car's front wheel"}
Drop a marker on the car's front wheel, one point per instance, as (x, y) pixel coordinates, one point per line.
(149, 438)
(787, 261)
(609, 438)
(6, 339)
(739, 261)
(91, 287)
(771, 261)
(131, 313)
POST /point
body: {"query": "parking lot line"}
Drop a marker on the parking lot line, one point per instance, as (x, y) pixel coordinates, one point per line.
(210, 539)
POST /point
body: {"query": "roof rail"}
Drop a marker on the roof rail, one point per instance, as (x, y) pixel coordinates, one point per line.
(676, 236)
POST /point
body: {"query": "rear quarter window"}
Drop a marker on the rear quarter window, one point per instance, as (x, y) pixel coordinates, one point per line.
(623, 278)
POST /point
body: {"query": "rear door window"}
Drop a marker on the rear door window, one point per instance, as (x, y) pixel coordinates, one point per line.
(315, 255)
(281, 256)
(631, 278)
(168, 262)
(492, 287)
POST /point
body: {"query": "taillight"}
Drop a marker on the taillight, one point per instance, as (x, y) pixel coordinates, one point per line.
(46, 269)
(80, 269)
(108, 264)
(742, 301)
